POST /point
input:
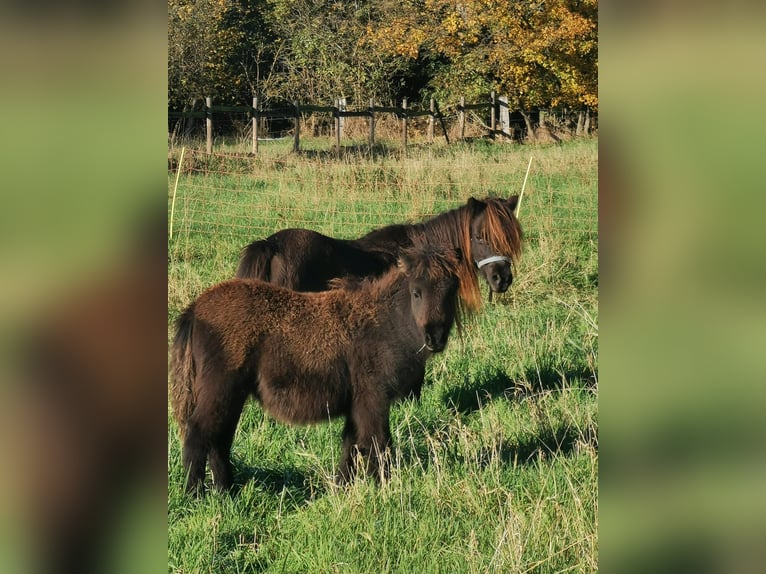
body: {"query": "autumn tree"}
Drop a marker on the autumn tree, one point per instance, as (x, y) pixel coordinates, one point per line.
(322, 55)
(538, 52)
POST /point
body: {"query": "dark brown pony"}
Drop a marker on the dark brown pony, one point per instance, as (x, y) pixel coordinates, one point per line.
(304, 260)
(350, 351)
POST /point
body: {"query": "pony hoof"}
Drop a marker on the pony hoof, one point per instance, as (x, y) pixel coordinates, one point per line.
(195, 490)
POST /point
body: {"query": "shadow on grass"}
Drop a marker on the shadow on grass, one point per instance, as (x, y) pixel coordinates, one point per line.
(549, 442)
(491, 384)
(299, 486)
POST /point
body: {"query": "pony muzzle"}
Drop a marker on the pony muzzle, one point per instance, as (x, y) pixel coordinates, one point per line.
(500, 284)
(435, 338)
(499, 277)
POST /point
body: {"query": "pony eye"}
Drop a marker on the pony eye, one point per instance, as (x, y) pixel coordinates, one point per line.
(416, 293)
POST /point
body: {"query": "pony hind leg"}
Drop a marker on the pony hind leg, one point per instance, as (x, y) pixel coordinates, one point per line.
(221, 441)
(210, 432)
(194, 456)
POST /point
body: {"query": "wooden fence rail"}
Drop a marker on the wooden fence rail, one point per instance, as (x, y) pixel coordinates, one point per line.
(497, 106)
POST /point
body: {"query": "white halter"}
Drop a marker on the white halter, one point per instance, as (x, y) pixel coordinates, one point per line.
(492, 259)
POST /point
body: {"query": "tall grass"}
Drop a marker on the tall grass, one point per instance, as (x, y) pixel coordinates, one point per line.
(494, 468)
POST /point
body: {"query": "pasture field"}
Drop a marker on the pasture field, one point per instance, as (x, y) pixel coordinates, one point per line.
(495, 468)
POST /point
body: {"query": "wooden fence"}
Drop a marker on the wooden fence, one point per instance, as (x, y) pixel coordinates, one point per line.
(499, 123)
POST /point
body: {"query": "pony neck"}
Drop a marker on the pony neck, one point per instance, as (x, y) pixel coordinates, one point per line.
(385, 287)
(390, 302)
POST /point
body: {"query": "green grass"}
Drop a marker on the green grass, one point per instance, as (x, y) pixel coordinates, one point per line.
(495, 467)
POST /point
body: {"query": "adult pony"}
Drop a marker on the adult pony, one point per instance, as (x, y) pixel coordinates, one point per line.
(350, 351)
(304, 260)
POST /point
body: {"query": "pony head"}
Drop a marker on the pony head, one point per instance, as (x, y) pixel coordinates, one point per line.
(495, 268)
(433, 282)
(494, 222)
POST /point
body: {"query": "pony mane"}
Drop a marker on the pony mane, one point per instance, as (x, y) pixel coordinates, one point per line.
(367, 294)
(423, 259)
(430, 261)
(453, 227)
(375, 286)
(502, 230)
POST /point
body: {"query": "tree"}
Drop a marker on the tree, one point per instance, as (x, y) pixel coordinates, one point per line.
(219, 48)
(323, 56)
(538, 52)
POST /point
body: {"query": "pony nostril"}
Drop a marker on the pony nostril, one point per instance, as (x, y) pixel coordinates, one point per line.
(496, 278)
(436, 338)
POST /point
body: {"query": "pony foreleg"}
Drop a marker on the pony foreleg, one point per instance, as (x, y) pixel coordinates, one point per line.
(378, 457)
(373, 437)
(347, 467)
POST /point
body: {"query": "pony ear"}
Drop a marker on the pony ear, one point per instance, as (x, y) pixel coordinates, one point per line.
(476, 206)
(512, 202)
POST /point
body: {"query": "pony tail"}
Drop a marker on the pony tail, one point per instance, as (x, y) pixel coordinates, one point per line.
(183, 370)
(255, 261)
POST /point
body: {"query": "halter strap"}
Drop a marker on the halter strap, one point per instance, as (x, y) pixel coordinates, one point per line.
(492, 259)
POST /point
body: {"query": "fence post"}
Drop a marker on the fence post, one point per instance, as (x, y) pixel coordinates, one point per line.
(505, 115)
(209, 123)
(255, 125)
(441, 122)
(461, 118)
(404, 123)
(338, 127)
(493, 114)
(297, 137)
(372, 127)
(431, 120)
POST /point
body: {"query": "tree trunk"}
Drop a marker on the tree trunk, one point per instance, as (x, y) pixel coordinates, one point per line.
(531, 136)
(189, 122)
